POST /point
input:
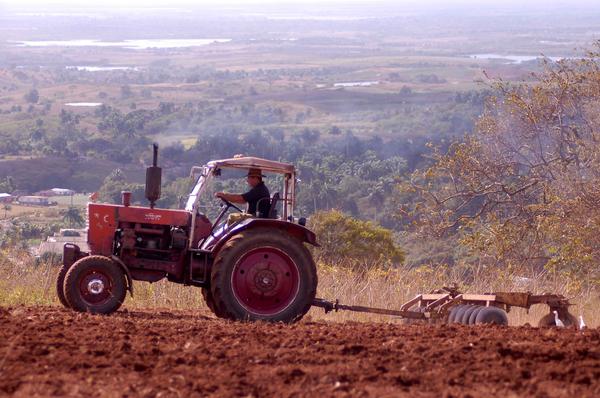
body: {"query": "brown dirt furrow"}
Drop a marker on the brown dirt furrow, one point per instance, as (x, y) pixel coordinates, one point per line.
(47, 351)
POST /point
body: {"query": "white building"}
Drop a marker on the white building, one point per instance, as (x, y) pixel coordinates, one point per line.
(6, 198)
(62, 192)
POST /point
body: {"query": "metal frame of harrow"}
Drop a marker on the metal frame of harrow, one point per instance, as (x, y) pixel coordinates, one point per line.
(436, 306)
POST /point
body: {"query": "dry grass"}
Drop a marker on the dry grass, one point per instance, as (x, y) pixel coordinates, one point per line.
(23, 283)
(389, 289)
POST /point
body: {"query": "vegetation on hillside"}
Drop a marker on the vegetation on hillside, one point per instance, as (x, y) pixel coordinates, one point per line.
(522, 191)
(354, 104)
(507, 199)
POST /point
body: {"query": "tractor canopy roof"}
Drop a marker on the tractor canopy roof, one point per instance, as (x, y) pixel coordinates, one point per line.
(245, 162)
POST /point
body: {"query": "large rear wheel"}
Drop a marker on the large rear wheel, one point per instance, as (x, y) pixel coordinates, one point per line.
(210, 302)
(264, 275)
(95, 284)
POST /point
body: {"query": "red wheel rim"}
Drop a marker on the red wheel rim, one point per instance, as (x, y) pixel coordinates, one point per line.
(265, 281)
(95, 286)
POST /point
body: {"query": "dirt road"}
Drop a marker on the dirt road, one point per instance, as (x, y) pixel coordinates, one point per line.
(55, 352)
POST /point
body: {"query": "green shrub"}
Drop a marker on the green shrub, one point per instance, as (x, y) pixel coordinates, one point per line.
(354, 243)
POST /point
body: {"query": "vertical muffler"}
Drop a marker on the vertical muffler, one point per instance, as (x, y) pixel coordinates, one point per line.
(153, 178)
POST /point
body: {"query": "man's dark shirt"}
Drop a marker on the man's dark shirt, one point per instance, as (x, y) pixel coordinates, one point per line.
(255, 195)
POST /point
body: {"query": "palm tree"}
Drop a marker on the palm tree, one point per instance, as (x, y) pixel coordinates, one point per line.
(377, 194)
(6, 208)
(73, 216)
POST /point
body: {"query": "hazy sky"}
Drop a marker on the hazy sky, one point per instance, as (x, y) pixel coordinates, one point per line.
(167, 3)
(304, 6)
(176, 3)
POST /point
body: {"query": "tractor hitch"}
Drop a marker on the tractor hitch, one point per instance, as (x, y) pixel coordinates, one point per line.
(335, 306)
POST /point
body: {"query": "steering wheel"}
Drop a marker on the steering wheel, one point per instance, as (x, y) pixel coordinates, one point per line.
(229, 204)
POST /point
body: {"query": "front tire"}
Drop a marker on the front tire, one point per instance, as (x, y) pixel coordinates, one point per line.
(95, 284)
(263, 275)
(60, 286)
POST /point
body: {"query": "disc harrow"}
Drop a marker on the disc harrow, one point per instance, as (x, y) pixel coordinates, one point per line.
(449, 305)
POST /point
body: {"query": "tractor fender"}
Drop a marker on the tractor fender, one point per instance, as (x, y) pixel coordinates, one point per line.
(72, 253)
(300, 232)
(126, 271)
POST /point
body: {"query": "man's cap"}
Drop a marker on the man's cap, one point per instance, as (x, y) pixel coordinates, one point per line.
(253, 172)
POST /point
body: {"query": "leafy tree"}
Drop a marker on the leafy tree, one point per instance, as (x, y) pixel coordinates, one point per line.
(126, 92)
(405, 91)
(7, 185)
(17, 234)
(335, 130)
(524, 189)
(115, 183)
(68, 124)
(353, 243)
(173, 152)
(310, 136)
(11, 237)
(175, 193)
(165, 108)
(32, 96)
(38, 132)
(111, 188)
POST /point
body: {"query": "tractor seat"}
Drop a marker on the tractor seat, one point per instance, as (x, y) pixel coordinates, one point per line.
(272, 207)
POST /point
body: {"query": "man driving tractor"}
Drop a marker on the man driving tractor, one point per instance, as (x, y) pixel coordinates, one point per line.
(258, 197)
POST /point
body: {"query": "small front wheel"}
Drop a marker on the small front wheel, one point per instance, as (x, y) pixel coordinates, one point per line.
(95, 284)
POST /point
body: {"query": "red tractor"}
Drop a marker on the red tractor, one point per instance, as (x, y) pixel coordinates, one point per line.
(248, 268)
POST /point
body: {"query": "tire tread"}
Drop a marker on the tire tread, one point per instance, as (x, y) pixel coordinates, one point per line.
(60, 285)
(229, 250)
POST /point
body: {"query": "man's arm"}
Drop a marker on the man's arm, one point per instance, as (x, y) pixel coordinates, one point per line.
(230, 197)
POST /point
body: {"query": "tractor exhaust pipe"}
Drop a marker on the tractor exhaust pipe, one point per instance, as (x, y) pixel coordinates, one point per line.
(153, 178)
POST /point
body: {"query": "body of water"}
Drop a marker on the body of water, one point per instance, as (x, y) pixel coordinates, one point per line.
(356, 84)
(83, 104)
(102, 68)
(325, 17)
(514, 59)
(131, 44)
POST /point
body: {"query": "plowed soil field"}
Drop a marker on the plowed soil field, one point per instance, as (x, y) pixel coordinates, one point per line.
(47, 351)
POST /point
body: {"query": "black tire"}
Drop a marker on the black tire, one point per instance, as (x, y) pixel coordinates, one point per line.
(459, 313)
(467, 314)
(473, 315)
(95, 284)
(566, 318)
(249, 280)
(491, 315)
(60, 289)
(453, 312)
(207, 296)
(210, 302)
